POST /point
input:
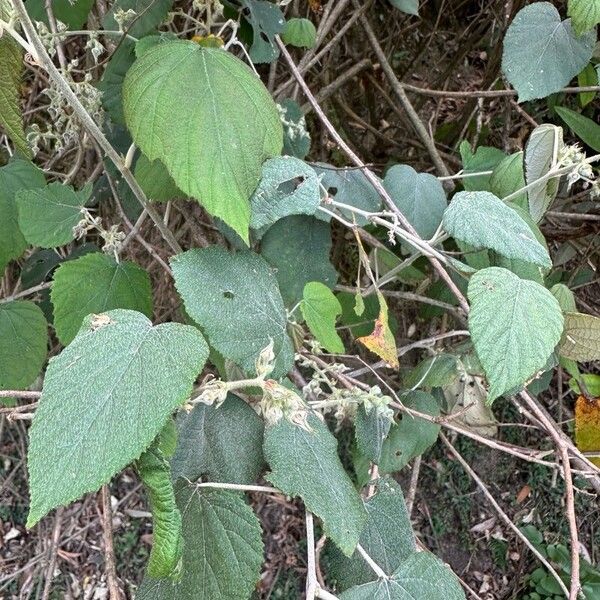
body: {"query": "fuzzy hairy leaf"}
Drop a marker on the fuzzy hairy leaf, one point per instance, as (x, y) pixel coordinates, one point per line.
(419, 196)
(421, 576)
(180, 109)
(515, 325)
(299, 247)
(581, 339)
(95, 283)
(542, 53)
(223, 549)
(235, 300)
(11, 69)
(16, 175)
(47, 215)
(106, 396)
(320, 308)
(585, 14)
(412, 435)
(23, 343)
(370, 431)
(541, 156)
(288, 186)
(387, 538)
(305, 463)
(220, 443)
(484, 221)
(167, 539)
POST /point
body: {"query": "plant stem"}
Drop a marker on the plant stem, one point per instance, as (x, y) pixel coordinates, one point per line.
(46, 63)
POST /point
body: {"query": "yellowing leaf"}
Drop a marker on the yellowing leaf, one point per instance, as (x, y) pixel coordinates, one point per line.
(587, 426)
(381, 341)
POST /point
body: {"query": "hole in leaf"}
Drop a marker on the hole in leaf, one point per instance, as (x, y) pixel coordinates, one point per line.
(229, 295)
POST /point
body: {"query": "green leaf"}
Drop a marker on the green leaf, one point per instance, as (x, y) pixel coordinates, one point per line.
(167, 540)
(542, 53)
(155, 180)
(300, 33)
(349, 186)
(47, 215)
(565, 297)
(515, 325)
(320, 308)
(484, 221)
(591, 382)
(288, 186)
(267, 21)
(221, 443)
(23, 343)
(587, 77)
(586, 129)
(439, 370)
(419, 196)
(235, 300)
(16, 175)
(106, 396)
(149, 15)
(371, 429)
(509, 177)
(581, 339)
(296, 139)
(73, 13)
(96, 283)
(111, 84)
(299, 247)
(179, 109)
(410, 7)
(485, 158)
(412, 435)
(541, 156)
(11, 70)
(421, 576)
(387, 537)
(223, 549)
(585, 14)
(305, 463)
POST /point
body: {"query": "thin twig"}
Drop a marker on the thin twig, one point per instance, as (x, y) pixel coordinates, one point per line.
(53, 553)
(65, 89)
(501, 512)
(109, 552)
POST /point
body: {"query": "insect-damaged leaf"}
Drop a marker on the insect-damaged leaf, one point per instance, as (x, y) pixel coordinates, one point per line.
(320, 308)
